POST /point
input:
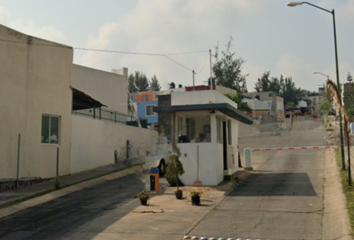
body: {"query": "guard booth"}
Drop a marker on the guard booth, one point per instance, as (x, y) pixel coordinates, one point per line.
(206, 127)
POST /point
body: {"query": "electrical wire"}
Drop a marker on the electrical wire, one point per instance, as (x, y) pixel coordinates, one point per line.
(203, 64)
(114, 51)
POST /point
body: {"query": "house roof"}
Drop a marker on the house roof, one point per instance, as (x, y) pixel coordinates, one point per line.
(83, 101)
(221, 107)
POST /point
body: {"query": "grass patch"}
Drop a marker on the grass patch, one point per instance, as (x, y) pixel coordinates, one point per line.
(347, 190)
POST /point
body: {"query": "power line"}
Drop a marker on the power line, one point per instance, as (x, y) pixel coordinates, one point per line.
(203, 64)
(115, 51)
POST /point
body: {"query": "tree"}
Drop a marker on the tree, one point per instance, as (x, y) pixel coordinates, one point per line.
(332, 88)
(267, 84)
(155, 85)
(138, 82)
(349, 77)
(262, 84)
(227, 70)
(349, 101)
(289, 92)
(242, 106)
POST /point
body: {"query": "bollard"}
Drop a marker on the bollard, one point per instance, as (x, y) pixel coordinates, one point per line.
(248, 159)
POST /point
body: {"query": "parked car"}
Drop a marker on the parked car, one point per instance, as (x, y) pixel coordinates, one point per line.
(159, 159)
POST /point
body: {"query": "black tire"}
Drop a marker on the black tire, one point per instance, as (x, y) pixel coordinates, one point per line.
(162, 168)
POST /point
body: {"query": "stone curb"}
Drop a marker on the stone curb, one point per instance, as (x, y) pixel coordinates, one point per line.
(4, 212)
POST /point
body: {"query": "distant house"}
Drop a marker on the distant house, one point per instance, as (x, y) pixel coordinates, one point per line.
(259, 108)
(277, 103)
(206, 125)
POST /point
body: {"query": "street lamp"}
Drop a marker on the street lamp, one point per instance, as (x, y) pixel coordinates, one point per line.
(294, 4)
(322, 74)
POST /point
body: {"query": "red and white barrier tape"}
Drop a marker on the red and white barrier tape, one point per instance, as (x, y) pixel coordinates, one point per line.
(292, 148)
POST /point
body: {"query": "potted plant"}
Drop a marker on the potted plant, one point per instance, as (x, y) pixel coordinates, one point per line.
(144, 196)
(175, 168)
(195, 196)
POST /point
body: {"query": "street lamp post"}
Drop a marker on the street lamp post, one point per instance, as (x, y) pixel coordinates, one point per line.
(322, 74)
(294, 4)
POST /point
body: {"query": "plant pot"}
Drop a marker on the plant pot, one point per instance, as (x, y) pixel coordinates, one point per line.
(179, 194)
(143, 201)
(195, 200)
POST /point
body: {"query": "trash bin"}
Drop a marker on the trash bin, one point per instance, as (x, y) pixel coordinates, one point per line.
(154, 180)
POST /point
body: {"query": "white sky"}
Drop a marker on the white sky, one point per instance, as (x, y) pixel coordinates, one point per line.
(268, 35)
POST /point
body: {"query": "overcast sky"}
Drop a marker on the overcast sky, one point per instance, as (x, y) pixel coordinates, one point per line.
(268, 35)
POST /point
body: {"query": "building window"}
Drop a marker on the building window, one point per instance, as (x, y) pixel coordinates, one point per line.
(270, 95)
(145, 98)
(194, 128)
(149, 111)
(50, 129)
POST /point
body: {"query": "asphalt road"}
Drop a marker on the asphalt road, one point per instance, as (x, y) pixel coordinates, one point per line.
(283, 199)
(57, 218)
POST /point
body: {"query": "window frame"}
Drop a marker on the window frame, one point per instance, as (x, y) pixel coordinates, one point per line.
(146, 111)
(145, 98)
(49, 129)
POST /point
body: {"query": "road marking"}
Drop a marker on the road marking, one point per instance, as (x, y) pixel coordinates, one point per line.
(292, 148)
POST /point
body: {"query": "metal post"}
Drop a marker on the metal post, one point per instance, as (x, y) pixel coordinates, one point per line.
(248, 159)
(193, 79)
(18, 160)
(340, 91)
(99, 112)
(211, 72)
(57, 163)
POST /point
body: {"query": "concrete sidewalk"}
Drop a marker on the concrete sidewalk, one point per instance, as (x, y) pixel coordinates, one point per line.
(16, 200)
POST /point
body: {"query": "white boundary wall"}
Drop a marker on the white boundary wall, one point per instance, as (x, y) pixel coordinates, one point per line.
(94, 142)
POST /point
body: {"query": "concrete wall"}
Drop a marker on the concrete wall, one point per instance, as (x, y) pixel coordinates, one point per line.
(108, 88)
(255, 104)
(225, 90)
(35, 80)
(94, 142)
(199, 97)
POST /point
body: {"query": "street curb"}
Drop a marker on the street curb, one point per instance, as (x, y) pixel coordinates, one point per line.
(71, 188)
(336, 221)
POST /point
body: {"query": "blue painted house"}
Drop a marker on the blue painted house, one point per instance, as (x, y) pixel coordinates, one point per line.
(145, 111)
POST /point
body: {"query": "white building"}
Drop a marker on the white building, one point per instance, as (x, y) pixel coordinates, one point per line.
(50, 103)
(206, 126)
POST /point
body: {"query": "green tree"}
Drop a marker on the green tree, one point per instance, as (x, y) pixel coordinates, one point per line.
(267, 83)
(155, 85)
(138, 82)
(262, 84)
(131, 84)
(242, 106)
(349, 77)
(227, 70)
(289, 92)
(349, 101)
